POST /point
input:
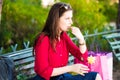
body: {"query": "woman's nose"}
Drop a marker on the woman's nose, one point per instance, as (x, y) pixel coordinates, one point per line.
(71, 22)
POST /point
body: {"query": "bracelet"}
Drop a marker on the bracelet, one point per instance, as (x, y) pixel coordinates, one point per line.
(82, 43)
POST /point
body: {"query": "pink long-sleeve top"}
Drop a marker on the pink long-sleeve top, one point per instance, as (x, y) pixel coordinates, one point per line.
(46, 59)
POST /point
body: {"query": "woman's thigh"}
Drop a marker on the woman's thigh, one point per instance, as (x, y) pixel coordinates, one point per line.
(67, 76)
(88, 76)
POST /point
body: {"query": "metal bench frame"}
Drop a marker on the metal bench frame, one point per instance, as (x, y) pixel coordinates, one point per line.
(114, 41)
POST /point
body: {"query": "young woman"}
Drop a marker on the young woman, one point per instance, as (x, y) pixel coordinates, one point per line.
(53, 45)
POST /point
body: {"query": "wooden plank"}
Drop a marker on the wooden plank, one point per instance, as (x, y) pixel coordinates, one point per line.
(28, 66)
(70, 59)
(113, 35)
(117, 54)
(116, 47)
(31, 72)
(20, 56)
(18, 52)
(118, 58)
(24, 61)
(115, 42)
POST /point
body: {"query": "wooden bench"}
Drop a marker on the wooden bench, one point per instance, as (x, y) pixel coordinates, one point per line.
(114, 41)
(24, 63)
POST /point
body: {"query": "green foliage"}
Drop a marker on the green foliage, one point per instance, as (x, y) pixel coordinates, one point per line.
(87, 15)
(108, 10)
(21, 20)
(21, 77)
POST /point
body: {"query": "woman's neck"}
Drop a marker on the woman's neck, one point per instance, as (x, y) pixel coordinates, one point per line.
(59, 38)
(59, 35)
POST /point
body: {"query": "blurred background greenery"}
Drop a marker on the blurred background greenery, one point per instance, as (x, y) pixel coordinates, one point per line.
(22, 20)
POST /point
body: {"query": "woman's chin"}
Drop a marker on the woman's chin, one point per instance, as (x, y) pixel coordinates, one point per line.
(69, 28)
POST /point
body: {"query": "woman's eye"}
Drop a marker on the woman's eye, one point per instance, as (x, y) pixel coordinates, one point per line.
(67, 18)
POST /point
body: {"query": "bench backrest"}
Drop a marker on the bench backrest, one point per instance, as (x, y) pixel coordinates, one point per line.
(114, 42)
(24, 61)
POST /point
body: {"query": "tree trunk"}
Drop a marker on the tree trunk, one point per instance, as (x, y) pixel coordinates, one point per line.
(0, 9)
(118, 17)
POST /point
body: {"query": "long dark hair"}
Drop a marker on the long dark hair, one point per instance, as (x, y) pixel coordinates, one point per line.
(51, 26)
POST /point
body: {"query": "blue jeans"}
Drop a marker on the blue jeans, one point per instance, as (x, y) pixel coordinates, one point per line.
(67, 76)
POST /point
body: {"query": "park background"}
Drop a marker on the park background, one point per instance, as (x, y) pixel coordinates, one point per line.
(22, 20)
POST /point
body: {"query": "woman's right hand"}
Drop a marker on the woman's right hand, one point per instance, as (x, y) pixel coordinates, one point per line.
(79, 69)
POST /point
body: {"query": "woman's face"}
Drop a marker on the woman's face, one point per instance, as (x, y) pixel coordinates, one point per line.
(65, 21)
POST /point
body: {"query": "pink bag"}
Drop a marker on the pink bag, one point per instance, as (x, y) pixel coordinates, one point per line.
(110, 65)
(102, 65)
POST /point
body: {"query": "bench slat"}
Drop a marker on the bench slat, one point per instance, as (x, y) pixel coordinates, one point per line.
(31, 72)
(24, 61)
(117, 54)
(113, 35)
(20, 56)
(116, 47)
(119, 58)
(28, 66)
(17, 53)
(115, 43)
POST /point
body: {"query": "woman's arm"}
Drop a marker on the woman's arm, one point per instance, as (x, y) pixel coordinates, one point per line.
(76, 68)
(78, 34)
(42, 66)
(79, 52)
